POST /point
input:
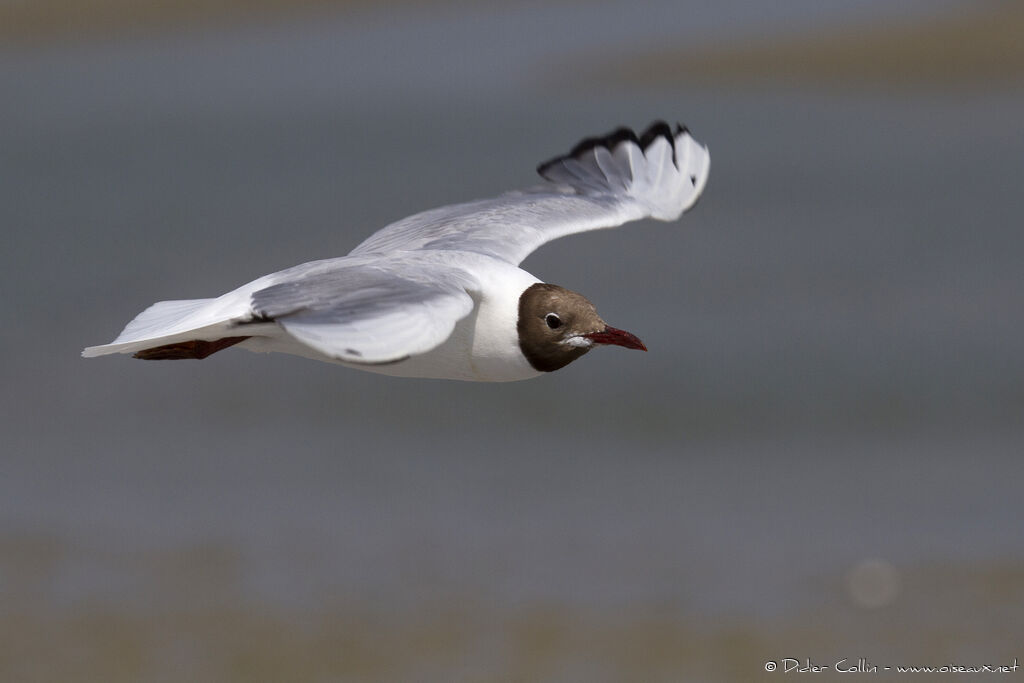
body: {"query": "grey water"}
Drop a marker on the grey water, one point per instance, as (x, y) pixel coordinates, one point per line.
(835, 331)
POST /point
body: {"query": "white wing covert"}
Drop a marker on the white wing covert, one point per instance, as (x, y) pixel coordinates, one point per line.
(602, 183)
(363, 313)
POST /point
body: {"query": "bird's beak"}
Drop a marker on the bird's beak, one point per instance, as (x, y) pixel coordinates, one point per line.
(612, 335)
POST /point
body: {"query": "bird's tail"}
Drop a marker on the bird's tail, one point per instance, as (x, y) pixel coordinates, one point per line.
(172, 330)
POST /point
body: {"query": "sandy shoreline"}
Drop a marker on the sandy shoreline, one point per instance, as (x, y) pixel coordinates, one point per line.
(191, 611)
(41, 21)
(977, 46)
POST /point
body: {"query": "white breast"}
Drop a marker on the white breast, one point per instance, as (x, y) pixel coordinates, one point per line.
(484, 346)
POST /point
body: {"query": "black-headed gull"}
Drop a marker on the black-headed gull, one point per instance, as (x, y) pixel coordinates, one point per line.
(440, 294)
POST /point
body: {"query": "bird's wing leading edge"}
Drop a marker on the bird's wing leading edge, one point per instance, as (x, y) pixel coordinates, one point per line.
(369, 313)
(602, 183)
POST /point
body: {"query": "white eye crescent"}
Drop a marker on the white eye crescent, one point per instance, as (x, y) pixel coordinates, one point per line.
(553, 321)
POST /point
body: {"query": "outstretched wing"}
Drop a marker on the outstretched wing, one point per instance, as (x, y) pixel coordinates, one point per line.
(363, 313)
(602, 183)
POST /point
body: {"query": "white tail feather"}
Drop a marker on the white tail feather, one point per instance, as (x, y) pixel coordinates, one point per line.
(164, 322)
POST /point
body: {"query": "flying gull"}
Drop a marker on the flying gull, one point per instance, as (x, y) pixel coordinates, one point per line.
(440, 294)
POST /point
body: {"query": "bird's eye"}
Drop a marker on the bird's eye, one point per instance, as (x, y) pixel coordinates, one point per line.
(553, 321)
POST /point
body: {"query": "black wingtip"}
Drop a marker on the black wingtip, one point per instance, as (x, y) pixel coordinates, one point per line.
(658, 129)
(609, 141)
(654, 131)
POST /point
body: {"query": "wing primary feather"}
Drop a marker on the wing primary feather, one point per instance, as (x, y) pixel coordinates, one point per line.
(609, 141)
(656, 130)
(660, 129)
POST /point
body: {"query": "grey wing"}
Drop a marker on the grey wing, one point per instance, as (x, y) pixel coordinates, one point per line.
(602, 183)
(364, 313)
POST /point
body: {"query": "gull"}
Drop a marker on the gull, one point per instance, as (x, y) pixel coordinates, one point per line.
(440, 294)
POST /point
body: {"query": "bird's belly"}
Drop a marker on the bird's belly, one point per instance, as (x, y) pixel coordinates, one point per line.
(469, 354)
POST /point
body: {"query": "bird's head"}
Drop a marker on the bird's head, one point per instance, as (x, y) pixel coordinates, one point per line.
(556, 326)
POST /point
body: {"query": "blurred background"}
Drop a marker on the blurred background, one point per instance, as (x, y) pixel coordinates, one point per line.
(820, 457)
